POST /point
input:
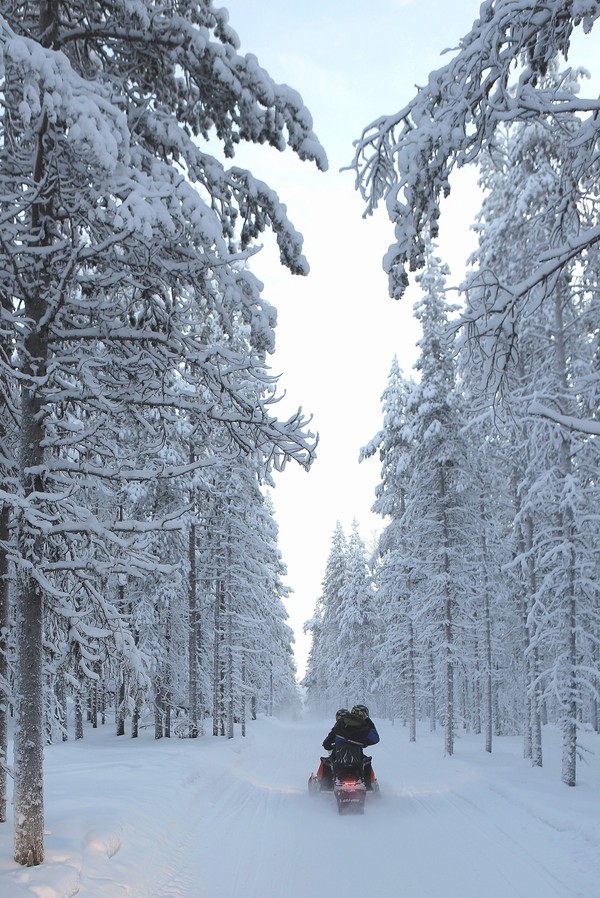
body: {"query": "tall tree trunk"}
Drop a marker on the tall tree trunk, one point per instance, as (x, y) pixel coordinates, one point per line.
(158, 709)
(230, 664)
(135, 721)
(243, 701)
(532, 730)
(121, 685)
(412, 684)
(29, 727)
(7, 427)
(102, 697)
(78, 697)
(594, 715)
(193, 630)
(532, 733)
(525, 642)
(218, 685)
(487, 638)
(489, 687)
(120, 701)
(569, 626)
(230, 648)
(94, 704)
(432, 692)
(230, 695)
(167, 681)
(4, 693)
(78, 715)
(535, 699)
(29, 724)
(448, 623)
(475, 710)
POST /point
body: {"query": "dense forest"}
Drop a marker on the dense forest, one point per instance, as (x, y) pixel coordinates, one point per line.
(139, 552)
(139, 559)
(480, 606)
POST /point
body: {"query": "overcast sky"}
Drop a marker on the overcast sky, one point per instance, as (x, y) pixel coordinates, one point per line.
(338, 329)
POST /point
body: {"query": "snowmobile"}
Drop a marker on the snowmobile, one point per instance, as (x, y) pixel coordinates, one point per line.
(349, 775)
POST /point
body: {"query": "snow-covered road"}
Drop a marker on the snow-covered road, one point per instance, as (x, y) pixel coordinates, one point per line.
(232, 819)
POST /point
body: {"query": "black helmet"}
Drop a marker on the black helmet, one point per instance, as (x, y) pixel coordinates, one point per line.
(341, 713)
(360, 711)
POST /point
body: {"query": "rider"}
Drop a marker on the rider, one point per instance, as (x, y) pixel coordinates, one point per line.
(354, 726)
(324, 773)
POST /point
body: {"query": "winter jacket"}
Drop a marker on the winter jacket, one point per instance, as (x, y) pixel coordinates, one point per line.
(352, 729)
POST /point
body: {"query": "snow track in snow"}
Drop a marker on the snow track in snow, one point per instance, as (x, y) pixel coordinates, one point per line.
(218, 818)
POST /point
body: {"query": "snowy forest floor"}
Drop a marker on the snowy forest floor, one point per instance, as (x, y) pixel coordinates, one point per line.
(217, 818)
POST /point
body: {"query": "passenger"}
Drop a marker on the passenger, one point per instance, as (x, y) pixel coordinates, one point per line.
(355, 727)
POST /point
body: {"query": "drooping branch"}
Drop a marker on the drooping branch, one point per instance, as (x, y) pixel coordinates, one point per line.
(407, 159)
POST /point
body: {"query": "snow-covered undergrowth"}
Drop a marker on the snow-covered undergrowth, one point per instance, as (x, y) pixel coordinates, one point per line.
(217, 818)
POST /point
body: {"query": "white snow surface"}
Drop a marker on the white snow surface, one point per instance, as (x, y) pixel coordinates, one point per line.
(218, 818)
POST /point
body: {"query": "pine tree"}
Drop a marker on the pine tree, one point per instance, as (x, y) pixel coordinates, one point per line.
(121, 237)
(396, 650)
(357, 625)
(550, 359)
(323, 687)
(435, 506)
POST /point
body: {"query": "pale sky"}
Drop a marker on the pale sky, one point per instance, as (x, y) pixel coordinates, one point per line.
(338, 330)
